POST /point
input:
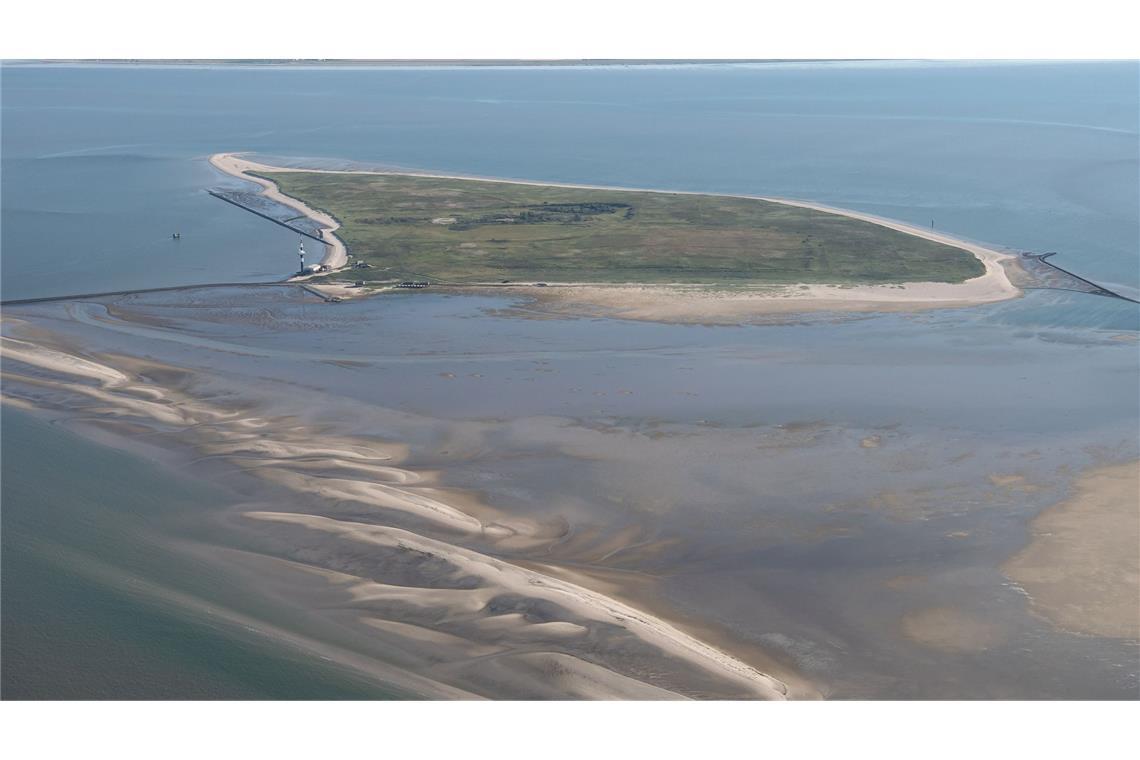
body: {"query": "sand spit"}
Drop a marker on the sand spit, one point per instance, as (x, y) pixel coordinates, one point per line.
(1081, 568)
(336, 254)
(992, 286)
(252, 445)
(558, 675)
(388, 541)
(532, 607)
(715, 304)
(57, 361)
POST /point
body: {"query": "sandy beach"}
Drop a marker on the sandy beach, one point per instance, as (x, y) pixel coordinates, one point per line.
(711, 305)
(336, 254)
(681, 302)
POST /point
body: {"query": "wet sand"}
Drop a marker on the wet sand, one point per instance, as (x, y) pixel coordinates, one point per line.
(388, 546)
(1081, 569)
(470, 506)
(952, 630)
(711, 305)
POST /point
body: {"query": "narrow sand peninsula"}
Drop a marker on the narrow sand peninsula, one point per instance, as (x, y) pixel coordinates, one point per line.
(1081, 569)
(710, 304)
(336, 254)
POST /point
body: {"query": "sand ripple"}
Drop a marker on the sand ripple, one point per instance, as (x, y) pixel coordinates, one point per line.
(466, 619)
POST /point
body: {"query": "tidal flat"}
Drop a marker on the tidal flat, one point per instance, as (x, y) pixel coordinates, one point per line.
(442, 496)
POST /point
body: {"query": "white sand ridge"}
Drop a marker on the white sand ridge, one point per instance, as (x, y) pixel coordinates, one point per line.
(546, 633)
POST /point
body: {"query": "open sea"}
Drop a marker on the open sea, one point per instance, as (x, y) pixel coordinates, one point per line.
(100, 164)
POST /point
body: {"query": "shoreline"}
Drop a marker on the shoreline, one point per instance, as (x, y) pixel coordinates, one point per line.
(336, 252)
(698, 303)
(1080, 569)
(422, 520)
(419, 556)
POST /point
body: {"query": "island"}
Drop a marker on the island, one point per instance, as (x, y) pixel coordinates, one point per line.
(638, 253)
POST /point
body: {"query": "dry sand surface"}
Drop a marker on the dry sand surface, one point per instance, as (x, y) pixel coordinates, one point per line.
(709, 304)
(1081, 569)
(336, 255)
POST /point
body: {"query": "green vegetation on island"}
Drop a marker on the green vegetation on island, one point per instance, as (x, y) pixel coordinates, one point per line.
(461, 230)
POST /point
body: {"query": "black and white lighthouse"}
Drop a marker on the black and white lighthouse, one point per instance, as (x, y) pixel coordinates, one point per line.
(301, 253)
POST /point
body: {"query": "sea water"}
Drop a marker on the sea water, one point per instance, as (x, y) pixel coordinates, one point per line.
(101, 164)
(78, 521)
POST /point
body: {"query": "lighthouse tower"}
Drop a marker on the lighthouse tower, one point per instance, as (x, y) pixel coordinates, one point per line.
(301, 253)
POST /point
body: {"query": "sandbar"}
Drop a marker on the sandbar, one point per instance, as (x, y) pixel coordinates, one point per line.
(1081, 569)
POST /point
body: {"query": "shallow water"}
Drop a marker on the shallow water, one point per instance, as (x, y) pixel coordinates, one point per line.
(78, 623)
(102, 164)
(801, 487)
(778, 481)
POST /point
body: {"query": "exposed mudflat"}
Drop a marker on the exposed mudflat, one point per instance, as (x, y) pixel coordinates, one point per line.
(442, 498)
(1081, 569)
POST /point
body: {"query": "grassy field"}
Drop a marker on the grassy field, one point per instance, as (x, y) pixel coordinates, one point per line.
(455, 230)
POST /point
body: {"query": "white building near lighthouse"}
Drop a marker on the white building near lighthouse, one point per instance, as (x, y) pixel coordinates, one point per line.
(312, 268)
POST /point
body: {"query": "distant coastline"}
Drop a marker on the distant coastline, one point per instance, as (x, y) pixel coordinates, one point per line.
(398, 62)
